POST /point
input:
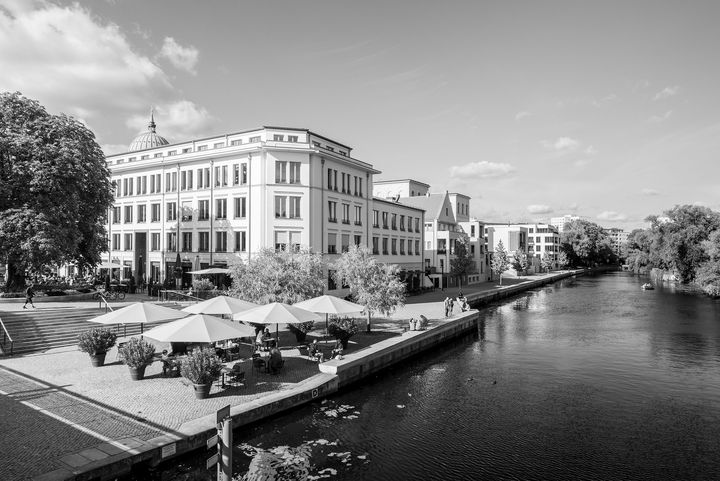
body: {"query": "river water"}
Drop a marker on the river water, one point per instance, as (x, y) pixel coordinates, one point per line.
(589, 378)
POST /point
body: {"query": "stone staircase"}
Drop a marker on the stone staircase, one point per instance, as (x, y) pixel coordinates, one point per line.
(38, 330)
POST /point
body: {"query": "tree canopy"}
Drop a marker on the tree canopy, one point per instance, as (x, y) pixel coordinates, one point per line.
(463, 263)
(586, 244)
(287, 276)
(372, 284)
(500, 260)
(55, 189)
(520, 262)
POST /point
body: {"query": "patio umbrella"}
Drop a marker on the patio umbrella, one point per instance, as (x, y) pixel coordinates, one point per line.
(139, 313)
(211, 270)
(200, 328)
(329, 305)
(220, 305)
(108, 265)
(276, 313)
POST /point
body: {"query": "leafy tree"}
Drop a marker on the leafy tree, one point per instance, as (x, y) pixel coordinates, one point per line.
(287, 276)
(562, 259)
(500, 260)
(586, 244)
(372, 284)
(55, 190)
(546, 261)
(520, 261)
(464, 262)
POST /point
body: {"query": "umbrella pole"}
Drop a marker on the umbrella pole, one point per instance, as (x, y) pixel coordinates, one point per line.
(277, 334)
(327, 329)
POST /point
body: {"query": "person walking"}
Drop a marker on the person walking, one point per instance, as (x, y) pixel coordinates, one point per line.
(29, 294)
(451, 305)
(447, 306)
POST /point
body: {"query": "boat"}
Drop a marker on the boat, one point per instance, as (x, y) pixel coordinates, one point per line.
(647, 287)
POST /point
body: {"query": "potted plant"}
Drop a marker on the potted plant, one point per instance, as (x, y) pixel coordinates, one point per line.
(201, 367)
(97, 342)
(137, 354)
(301, 330)
(343, 329)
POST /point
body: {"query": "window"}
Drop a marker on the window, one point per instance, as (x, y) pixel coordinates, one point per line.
(360, 186)
(472, 231)
(393, 244)
(186, 150)
(335, 182)
(158, 155)
(221, 208)
(346, 213)
(409, 242)
(155, 241)
(142, 213)
(280, 206)
(330, 179)
(393, 222)
(186, 180)
(221, 175)
(331, 280)
(236, 142)
(358, 215)
(342, 188)
(154, 212)
(203, 210)
(152, 184)
(116, 215)
(332, 211)
(200, 148)
(294, 207)
(280, 172)
(116, 242)
(385, 220)
(127, 242)
(218, 145)
(171, 153)
(128, 214)
(402, 222)
(345, 242)
(376, 245)
(417, 225)
(287, 170)
(240, 174)
(355, 179)
(332, 244)
(186, 211)
(187, 242)
(240, 207)
(357, 240)
(376, 218)
(240, 241)
(281, 240)
(292, 138)
(402, 247)
(316, 144)
(172, 241)
(278, 137)
(254, 139)
(203, 241)
(295, 240)
(385, 245)
(171, 211)
(220, 241)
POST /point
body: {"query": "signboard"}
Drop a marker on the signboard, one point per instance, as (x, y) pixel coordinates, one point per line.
(223, 413)
(212, 461)
(212, 441)
(168, 450)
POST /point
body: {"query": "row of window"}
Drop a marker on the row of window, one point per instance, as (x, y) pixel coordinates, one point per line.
(348, 184)
(125, 213)
(394, 221)
(345, 219)
(332, 247)
(203, 242)
(198, 179)
(548, 240)
(394, 243)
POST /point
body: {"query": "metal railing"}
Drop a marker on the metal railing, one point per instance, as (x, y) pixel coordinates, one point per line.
(103, 300)
(169, 294)
(6, 337)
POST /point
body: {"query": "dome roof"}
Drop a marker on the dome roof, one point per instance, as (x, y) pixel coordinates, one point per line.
(149, 139)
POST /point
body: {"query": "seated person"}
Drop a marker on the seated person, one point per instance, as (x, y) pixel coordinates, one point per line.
(275, 362)
(314, 351)
(337, 350)
(259, 340)
(167, 362)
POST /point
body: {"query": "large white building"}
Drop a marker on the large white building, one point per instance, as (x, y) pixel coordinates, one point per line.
(560, 222)
(219, 199)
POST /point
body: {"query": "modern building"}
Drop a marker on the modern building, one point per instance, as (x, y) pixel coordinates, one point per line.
(619, 239)
(514, 238)
(542, 238)
(560, 222)
(220, 199)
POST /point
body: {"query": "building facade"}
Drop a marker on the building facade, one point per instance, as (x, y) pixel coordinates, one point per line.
(220, 199)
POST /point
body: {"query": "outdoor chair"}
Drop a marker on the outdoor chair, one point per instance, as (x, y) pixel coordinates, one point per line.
(258, 363)
(237, 375)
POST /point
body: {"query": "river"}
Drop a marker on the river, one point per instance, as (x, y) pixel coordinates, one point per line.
(589, 378)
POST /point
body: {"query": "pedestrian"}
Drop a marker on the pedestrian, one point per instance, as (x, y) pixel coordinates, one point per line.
(447, 307)
(451, 305)
(29, 294)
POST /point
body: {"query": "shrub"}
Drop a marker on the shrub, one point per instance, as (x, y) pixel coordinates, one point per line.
(96, 340)
(301, 330)
(137, 353)
(203, 285)
(343, 329)
(202, 366)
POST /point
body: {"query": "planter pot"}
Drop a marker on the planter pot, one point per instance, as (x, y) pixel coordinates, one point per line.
(137, 373)
(97, 359)
(202, 391)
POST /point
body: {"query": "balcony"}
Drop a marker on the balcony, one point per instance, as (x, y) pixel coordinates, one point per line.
(442, 251)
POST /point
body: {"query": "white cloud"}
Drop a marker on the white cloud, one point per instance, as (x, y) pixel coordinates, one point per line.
(65, 58)
(647, 191)
(176, 121)
(666, 92)
(111, 149)
(539, 209)
(482, 169)
(183, 58)
(562, 144)
(591, 150)
(660, 118)
(605, 100)
(611, 216)
(522, 114)
(582, 162)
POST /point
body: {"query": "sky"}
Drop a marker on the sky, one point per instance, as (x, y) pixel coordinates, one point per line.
(606, 109)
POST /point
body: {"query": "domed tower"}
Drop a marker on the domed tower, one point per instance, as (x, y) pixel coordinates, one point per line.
(149, 139)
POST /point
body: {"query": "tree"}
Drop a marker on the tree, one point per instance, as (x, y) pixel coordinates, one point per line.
(586, 244)
(562, 260)
(546, 261)
(372, 284)
(520, 261)
(287, 276)
(464, 262)
(55, 190)
(500, 260)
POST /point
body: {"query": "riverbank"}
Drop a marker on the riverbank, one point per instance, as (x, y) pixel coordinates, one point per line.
(94, 423)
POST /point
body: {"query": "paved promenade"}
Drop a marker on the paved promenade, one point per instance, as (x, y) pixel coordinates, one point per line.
(61, 414)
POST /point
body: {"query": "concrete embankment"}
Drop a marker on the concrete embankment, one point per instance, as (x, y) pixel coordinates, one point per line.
(333, 375)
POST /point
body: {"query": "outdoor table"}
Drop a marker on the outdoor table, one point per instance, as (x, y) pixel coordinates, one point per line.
(268, 342)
